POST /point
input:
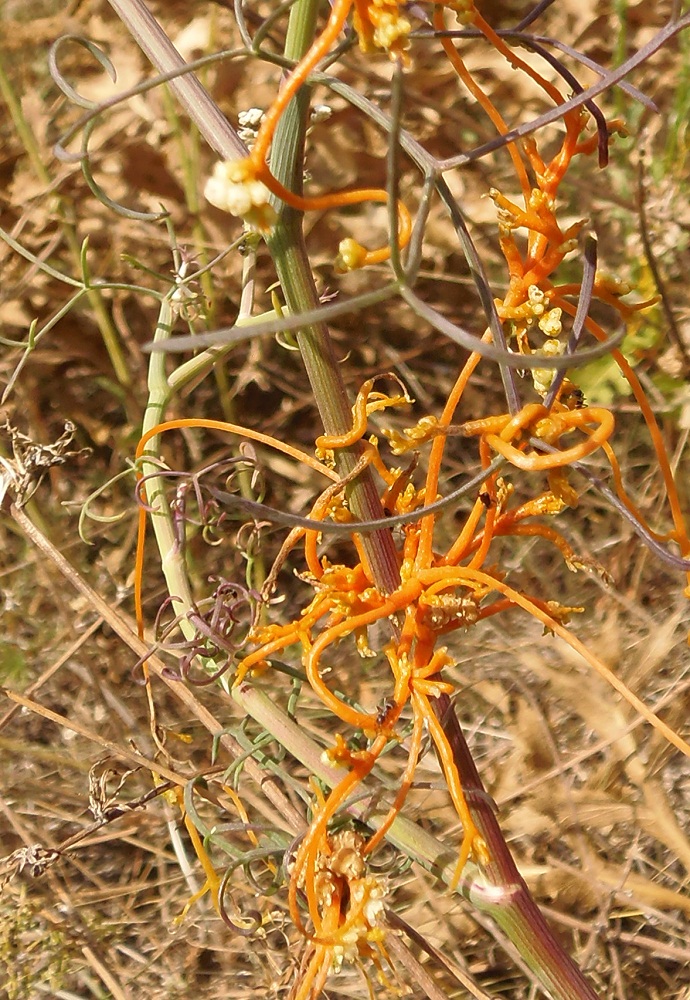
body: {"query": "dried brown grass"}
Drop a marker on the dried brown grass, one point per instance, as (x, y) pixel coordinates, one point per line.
(595, 805)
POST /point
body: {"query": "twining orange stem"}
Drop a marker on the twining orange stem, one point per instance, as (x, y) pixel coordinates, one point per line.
(482, 99)
(240, 431)
(681, 535)
(318, 51)
(625, 499)
(260, 151)
(426, 539)
(472, 840)
(460, 546)
(339, 199)
(315, 977)
(464, 574)
(539, 531)
(537, 462)
(397, 601)
(514, 59)
(406, 779)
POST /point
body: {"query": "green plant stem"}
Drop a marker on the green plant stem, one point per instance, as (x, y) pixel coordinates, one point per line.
(169, 547)
(161, 390)
(289, 253)
(292, 261)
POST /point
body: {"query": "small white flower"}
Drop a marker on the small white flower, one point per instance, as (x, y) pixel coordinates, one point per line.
(320, 113)
(251, 118)
(373, 908)
(536, 300)
(392, 30)
(543, 377)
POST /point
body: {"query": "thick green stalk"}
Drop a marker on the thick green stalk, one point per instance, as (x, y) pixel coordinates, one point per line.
(286, 243)
(501, 891)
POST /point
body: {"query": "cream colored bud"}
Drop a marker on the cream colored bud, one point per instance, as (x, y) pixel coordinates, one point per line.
(350, 256)
(550, 324)
(535, 295)
(543, 377)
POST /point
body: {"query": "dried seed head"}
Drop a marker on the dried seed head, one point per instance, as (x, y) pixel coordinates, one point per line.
(347, 858)
(450, 609)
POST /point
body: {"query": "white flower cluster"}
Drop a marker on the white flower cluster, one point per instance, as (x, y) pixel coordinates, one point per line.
(543, 377)
(234, 188)
(249, 123)
(391, 30)
(550, 323)
(380, 25)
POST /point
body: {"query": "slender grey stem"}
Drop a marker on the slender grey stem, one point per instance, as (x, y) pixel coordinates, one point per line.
(555, 114)
(583, 304)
